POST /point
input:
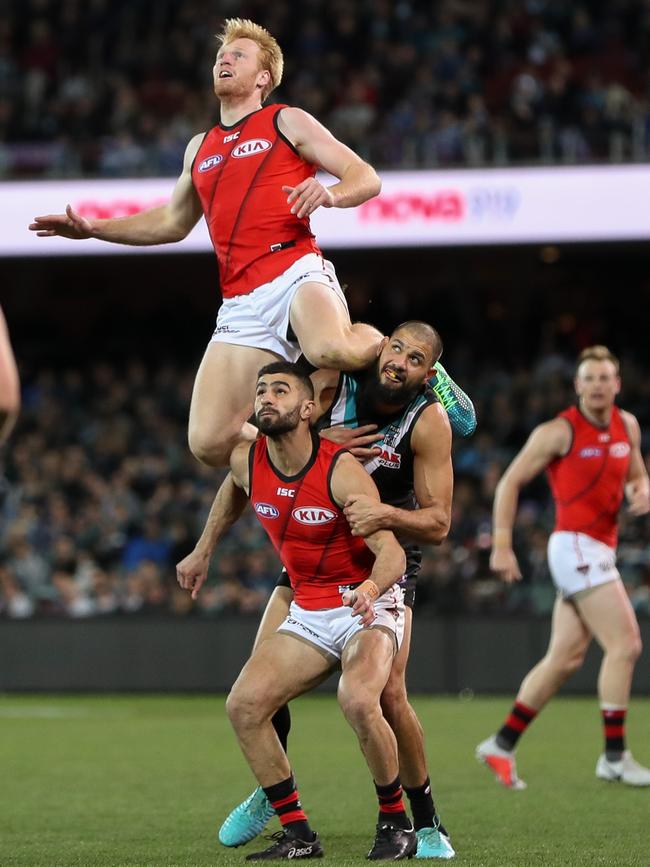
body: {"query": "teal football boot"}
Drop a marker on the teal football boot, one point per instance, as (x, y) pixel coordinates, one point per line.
(247, 820)
(456, 403)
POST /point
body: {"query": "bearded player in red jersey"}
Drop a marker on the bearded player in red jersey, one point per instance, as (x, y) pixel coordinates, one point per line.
(593, 458)
(298, 485)
(253, 177)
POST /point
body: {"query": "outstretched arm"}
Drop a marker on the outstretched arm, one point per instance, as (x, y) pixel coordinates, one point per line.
(433, 481)
(227, 508)
(162, 225)
(358, 181)
(390, 562)
(547, 442)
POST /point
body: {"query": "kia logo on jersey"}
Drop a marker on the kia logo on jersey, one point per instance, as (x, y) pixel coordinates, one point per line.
(210, 163)
(619, 450)
(250, 147)
(266, 510)
(313, 515)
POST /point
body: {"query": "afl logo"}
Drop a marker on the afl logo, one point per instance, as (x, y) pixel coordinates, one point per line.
(619, 450)
(265, 510)
(591, 452)
(313, 515)
(250, 148)
(210, 163)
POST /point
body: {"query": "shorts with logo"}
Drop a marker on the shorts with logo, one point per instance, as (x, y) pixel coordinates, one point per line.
(261, 318)
(330, 629)
(578, 562)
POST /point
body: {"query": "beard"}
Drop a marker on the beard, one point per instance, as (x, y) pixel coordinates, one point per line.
(233, 88)
(396, 394)
(274, 425)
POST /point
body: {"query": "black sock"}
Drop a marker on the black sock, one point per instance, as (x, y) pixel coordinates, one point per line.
(282, 724)
(423, 808)
(285, 800)
(391, 806)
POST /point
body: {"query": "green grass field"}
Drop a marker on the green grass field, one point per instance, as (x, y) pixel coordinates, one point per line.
(124, 780)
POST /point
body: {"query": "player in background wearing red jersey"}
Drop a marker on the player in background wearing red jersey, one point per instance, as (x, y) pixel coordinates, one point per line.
(253, 178)
(9, 384)
(593, 458)
(298, 485)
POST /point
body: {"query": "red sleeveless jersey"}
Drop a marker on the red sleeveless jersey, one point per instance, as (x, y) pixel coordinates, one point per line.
(307, 528)
(238, 173)
(588, 482)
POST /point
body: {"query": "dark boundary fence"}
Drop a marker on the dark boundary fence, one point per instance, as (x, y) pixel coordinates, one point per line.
(447, 656)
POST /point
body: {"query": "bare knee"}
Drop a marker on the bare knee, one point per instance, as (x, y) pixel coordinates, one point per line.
(360, 709)
(565, 666)
(327, 352)
(212, 447)
(627, 649)
(245, 710)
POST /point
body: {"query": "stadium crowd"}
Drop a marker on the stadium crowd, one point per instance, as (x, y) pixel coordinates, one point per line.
(118, 88)
(100, 498)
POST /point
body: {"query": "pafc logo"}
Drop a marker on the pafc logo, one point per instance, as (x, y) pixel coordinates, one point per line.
(210, 163)
(250, 148)
(313, 515)
(266, 510)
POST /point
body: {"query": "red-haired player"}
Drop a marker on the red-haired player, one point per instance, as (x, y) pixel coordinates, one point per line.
(253, 178)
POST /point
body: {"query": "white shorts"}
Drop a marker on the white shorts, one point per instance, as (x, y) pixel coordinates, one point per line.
(330, 629)
(578, 562)
(261, 318)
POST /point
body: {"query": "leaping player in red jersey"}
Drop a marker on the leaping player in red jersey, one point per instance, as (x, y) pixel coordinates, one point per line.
(298, 485)
(593, 458)
(253, 178)
(9, 383)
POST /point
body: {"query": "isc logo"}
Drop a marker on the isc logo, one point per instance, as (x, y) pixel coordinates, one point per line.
(251, 147)
(313, 515)
(210, 163)
(265, 510)
(286, 492)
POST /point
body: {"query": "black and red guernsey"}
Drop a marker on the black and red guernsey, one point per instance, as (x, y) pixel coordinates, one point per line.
(308, 529)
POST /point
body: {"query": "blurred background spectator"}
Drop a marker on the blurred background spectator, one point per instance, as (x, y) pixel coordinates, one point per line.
(118, 88)
(102, 498)
(99, 495)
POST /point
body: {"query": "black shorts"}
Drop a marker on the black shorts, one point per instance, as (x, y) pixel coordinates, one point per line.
(408, 584)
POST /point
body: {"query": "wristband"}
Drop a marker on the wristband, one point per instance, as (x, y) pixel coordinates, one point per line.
(368, 587)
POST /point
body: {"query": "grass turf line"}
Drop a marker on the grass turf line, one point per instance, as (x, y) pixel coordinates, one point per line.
(122, 780)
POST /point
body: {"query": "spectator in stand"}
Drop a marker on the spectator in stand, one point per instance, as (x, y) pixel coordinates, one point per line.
(553, 83)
